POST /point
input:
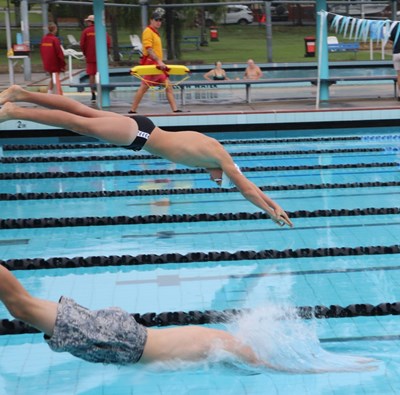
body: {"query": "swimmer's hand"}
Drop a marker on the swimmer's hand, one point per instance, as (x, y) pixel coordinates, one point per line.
(281, 218)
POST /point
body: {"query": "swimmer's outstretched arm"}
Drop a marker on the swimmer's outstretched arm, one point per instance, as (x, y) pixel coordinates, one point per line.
(195, 343)
(254, 194)
(279, 215)
(38, 313)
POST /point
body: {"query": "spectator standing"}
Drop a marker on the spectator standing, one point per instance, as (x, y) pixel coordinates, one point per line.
(252, 72)
(153, 55)
(88, 47)
(52, 58)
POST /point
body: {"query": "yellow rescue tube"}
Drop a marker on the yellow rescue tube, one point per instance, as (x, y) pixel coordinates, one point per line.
(153, 69)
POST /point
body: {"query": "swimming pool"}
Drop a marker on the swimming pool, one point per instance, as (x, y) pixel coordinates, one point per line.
(128, 206)
(273, 70)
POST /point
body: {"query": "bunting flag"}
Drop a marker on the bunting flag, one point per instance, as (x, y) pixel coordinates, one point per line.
(360, 29)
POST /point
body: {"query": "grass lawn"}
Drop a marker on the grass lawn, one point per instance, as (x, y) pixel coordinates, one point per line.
(239, 43)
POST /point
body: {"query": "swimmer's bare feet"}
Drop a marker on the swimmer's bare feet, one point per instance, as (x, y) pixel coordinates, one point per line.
(11, 94)
(6, 111)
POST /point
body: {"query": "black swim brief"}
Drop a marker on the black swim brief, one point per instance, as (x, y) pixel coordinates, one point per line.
(145, 126)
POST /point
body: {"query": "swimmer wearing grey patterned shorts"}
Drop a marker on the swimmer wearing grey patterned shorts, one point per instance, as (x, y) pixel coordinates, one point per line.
(107, 336)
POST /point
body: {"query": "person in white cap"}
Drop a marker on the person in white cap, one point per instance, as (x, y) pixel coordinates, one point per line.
(88, 47)
(189, 148)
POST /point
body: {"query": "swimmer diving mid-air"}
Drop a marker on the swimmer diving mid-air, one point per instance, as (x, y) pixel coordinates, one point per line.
(188, 148)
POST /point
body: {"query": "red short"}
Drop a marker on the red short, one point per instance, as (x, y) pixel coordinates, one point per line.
(154, 80)
(91, 68)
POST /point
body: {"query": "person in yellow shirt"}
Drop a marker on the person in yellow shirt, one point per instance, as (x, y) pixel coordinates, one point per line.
(153, 54)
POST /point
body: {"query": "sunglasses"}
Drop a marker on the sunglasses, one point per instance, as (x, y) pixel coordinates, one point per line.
(158, 20)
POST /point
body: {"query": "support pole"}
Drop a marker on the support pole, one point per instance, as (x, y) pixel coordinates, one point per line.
(45, 17)
(394, 10)
(144, 12)
(101, 50)
(9, 46)
(322, 48)
(268, 29)
(26, 38)
(70, 76)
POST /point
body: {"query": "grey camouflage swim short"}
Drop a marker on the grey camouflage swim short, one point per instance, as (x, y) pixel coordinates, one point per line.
(107, 336)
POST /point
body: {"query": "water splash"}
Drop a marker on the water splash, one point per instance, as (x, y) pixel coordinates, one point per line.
(279, 338)
(291, 344)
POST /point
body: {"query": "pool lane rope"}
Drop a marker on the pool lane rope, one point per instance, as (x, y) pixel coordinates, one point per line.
(181, 318)
(39, 147)
(192, 257)
(128, 156)
(20, 223)
(187, 191)
(121, 173)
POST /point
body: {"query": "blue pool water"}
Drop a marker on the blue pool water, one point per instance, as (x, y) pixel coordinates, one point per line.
(339, 69)
(267, 287)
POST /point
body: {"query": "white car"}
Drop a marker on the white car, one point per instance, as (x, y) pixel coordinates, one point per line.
(240, 14)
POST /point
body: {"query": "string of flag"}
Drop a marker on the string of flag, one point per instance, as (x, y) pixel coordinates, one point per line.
(361, 29)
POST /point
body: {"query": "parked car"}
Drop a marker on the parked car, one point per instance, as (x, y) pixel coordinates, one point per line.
(232, 14)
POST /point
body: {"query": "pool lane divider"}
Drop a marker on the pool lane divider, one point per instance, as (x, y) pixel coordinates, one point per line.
(91, 158)
(130, 173)
(192, 257)
(20, 223)
(186, 191)
(196, 317)
(33, 147)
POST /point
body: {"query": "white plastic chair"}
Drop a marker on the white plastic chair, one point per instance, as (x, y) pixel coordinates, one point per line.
(136, 43)
(72, 41)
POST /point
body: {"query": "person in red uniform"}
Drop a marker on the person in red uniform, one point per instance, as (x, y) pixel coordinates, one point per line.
(52, 57)
(88, 47)
(152, 54)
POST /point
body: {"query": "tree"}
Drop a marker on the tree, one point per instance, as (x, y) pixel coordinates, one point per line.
(175, 19)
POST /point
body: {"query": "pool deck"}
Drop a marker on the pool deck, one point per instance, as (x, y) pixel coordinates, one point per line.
(283, 105)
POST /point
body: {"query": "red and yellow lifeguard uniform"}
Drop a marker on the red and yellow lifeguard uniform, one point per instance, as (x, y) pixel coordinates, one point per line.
(88, 47)
(52, 54)
(151, 39)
